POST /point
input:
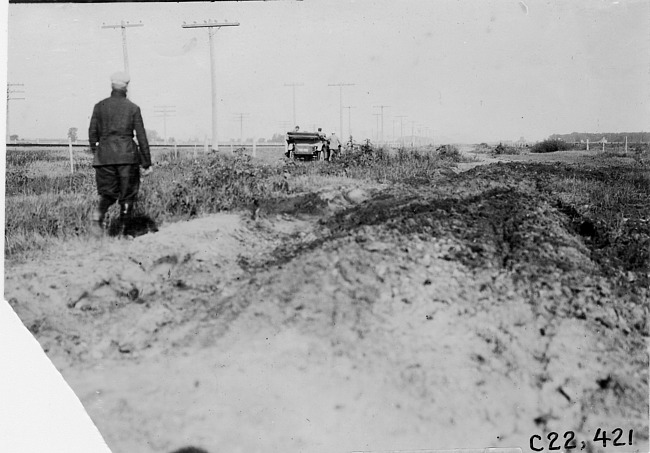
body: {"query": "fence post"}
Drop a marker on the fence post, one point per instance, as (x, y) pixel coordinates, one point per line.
(205, 145)
(175, 151)
(71, 158)
(587, 144)
(254, 147)
(626, 144)
(231, 148)
(603, 145)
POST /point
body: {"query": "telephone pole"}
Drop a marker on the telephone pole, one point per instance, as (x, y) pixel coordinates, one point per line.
(349, 107)
(377, 115)
(341, 85)
(164, 111)
(211, 25)
(293, 86)
(10, 92)
(124, 25)
(401, 128)
(412, 136)
(241, 126)
(382, 119)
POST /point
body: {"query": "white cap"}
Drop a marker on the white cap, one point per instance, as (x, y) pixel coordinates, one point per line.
(120, 80)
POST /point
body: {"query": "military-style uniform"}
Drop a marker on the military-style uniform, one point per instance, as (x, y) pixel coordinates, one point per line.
(117, 159)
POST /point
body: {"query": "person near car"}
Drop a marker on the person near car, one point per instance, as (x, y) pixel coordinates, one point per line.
(323, 136)
(117, 158)
(335, 144)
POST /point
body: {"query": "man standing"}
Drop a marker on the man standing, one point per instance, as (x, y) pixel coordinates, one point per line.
(117, 158)
(335, 145)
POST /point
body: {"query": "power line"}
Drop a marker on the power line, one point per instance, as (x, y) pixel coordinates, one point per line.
(124, 25)
(211, 25)
(294, 85)
(341, 85)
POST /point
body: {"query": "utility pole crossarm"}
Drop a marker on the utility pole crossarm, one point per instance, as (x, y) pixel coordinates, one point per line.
(124, 25)
(211, 25)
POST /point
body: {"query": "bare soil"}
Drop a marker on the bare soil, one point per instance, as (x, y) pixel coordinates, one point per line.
(465, 314)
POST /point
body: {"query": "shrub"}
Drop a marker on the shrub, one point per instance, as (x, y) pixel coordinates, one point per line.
(504, 149)
(222, 183)
(482, 148)
(449, 152)
(639, 148)
(550, 146)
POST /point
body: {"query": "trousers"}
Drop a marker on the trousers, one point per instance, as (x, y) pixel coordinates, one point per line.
(117, 183)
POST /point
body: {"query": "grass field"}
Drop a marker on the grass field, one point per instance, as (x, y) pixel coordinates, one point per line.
(45, 202)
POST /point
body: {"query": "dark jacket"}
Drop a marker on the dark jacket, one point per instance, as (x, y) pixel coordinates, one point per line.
(112, 124)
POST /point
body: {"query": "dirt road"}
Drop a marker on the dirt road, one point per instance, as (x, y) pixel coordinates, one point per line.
(465, 315)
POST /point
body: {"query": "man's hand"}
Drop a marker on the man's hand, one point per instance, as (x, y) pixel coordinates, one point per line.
(146, 171)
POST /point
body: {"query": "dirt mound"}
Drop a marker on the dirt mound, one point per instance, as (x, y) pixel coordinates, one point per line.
(465, 315)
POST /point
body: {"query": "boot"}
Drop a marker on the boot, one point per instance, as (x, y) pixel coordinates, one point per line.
(97, 223)
(97, 218)
(126, 219)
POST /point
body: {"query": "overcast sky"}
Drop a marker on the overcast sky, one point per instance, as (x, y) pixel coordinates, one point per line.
(462, 71)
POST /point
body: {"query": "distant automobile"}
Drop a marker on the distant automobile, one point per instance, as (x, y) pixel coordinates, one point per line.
(306, 144)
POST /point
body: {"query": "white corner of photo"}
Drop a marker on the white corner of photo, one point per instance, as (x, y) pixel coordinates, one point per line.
(38, 410)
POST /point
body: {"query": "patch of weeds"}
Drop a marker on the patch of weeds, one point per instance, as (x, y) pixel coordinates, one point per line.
(449, 152)
(482, 148)
(505, 149)
(550, 146)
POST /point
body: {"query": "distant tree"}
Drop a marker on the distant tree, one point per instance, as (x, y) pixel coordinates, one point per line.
(13, 137)
(277, 138)
(171, 140)
(72, 134)
(261, 140)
